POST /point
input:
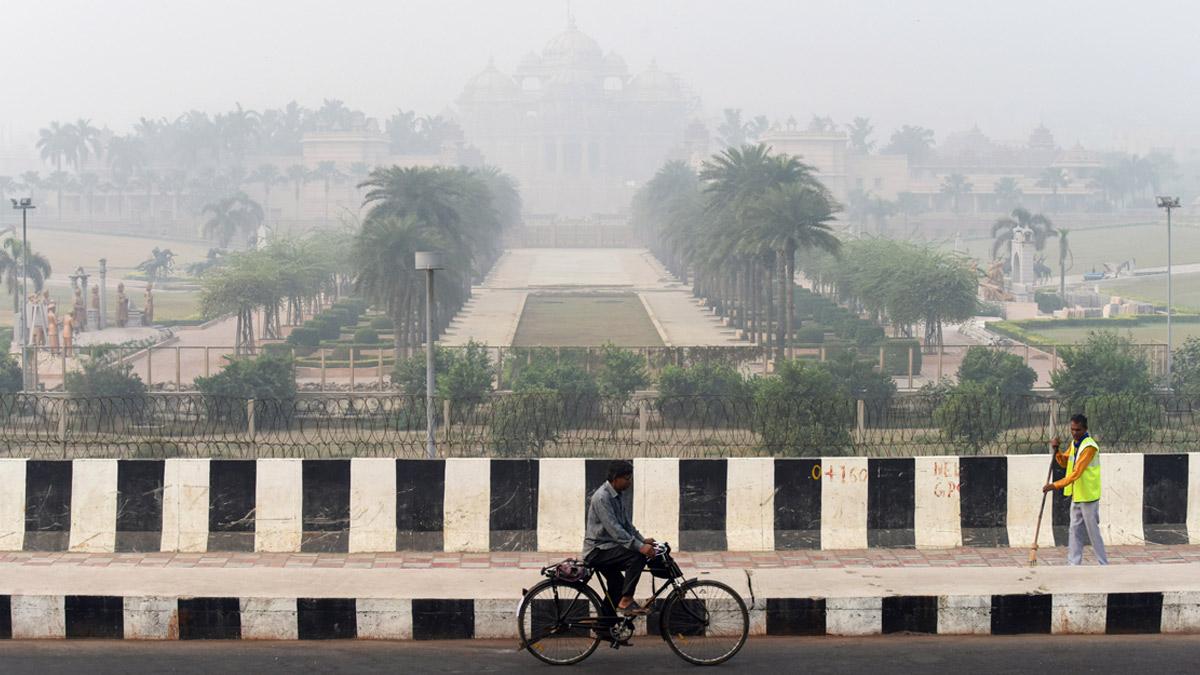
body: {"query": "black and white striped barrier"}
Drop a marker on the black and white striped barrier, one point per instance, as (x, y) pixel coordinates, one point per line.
(169, 618)
(750, 504)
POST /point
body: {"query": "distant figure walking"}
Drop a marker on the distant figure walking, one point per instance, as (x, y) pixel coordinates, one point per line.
(1082, 485)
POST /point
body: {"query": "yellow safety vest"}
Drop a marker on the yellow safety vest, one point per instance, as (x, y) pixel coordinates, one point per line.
(1087, 488)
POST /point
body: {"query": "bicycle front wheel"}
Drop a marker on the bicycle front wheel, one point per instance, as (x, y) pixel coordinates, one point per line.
(705, 622)
(560, 623)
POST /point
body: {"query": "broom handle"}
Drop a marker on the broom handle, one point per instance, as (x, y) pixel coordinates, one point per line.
(1038, 529)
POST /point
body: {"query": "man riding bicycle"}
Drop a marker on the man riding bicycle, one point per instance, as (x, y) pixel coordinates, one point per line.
(612, 545)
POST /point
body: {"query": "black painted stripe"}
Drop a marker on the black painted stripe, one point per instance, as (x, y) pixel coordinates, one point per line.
(325, 506)
(139, 504)
(703, 484)
(1134, 613)
(95, 616)
(326, 619)
(514, 499)
(5, 617)
(420, 504)
(1060, 509)
(47, 505)
(443, 619)
(210, 619)
(795, 616)
(891, 502)
(983, 500)
(798, 504)
(1016, 614)
(910, 614)
(1165, 499)
(232, 486)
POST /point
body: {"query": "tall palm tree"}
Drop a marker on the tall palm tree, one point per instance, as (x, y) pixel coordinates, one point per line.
(1002, 230)
(383, 255)
(232, 216)
(267, 175)
(88, 140)
(1055, 179)
(299, 175)
(120, 182)
(1007, 192)
(860, 130)
(88, 183)
(327, 172)
(58, 181)
(956, 186)
(11, 261)
(126, 154)
(58, 143)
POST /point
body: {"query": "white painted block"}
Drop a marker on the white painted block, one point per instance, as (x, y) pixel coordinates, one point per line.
(185, 505)
(937, 522)
(495, 619)
(1026, 476)
(1193, 497)
(560, 515)
(854, 616)
(1078, 613)
(1181, 611)
(38, 617)
(279, 505)
(1121, 498)
(372, 504)
(964, 615)
(844, 503)
(12, 504)
(758, 616)
(93, 505)
(383, 618)
(151, 618)
(750, 504)
(269, 619)
(468, 505)
(656, 498)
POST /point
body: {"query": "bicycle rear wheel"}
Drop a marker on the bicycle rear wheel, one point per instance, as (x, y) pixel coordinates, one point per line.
(705, 622)
(559, 622)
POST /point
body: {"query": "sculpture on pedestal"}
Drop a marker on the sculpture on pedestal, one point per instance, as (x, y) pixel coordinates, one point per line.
(68, 334)
(148, 301)
(122, 306)
(52, 328)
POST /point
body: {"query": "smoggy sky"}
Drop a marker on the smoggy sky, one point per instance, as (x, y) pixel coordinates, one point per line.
(1111, 74)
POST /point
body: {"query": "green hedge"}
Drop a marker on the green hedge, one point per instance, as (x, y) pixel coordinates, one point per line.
(1026, 331)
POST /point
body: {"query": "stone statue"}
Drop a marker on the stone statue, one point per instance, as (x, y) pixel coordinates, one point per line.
(96, 298)
(78, 310)
(122, 306)
(37, 324)
(68, 334)
(148, 310)
(52, 328)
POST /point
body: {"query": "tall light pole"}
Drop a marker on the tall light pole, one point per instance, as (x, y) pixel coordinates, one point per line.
(1169, 203)
(24, 205)
(429, 261)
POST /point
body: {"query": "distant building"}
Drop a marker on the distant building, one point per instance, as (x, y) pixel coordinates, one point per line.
(578, 131)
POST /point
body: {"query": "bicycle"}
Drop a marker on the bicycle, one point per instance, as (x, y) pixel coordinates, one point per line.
(562, 621)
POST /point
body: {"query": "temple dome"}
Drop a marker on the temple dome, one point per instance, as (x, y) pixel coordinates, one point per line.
(571, 47)
(491, 84)
(653, 84)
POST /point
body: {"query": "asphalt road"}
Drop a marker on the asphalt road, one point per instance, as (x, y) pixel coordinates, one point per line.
(892, 654)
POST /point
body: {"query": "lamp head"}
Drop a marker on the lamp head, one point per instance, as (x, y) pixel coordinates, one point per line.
(1167, 202)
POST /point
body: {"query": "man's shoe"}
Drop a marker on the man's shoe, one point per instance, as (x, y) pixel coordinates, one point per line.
(633, 609)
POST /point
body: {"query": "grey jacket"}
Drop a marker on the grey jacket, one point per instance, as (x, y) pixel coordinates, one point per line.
(609, 522)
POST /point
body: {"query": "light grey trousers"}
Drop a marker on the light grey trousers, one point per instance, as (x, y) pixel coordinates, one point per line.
(1085, 517)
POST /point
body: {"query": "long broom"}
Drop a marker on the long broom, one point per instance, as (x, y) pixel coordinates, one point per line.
(1038, 529)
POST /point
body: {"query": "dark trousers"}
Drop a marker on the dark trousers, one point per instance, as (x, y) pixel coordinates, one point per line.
(621, 569)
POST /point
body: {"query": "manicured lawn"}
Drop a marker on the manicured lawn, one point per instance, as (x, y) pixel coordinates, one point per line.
(1143, 334)
(1146, 243)
(1154, 289)
(585, 321)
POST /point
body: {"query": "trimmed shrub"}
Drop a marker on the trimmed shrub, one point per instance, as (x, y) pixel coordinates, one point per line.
(972, 413)
(801, 411)
(579, 394)
(706, 393)
(366, 336)
(10, 375)
(622, 373)
(1121, 418)
(104, 377)
(1004, 372)
(305, 336)
(1048, 303)
(895, 356)
(866, 334)
(383, 323)
(522, 424)
(810, 335)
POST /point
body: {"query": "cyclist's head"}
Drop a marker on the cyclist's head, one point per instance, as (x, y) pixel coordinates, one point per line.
(620, 474)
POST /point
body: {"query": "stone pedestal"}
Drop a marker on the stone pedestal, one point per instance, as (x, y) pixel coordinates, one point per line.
(93, 319)
(135, 317)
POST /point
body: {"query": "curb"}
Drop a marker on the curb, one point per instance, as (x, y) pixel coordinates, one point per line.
(259, 618)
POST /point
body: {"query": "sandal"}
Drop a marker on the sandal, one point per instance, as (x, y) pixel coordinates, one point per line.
(633, 609)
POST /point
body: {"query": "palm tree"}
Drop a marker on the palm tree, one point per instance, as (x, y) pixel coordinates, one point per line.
(327, 172)
(147, 178)
(119, 181)
(357, 173)
(860, 131)
(955, 186)
(58, 143)
(913, 141)
(1002, 230)
(1007, 192)
(909, 204)
(1064, 253)
(11, 261)
(1055, 179)
(126, 154)
(8, 185)
(88, 183)
(267, 175)
(160, 263)
(88, 140)
(299, 175)
(383, 255)
(58, 181)
(231, 216)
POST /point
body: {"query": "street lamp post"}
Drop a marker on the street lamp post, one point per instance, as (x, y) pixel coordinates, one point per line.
(24, 205)
(1169, 203)
(429, 261)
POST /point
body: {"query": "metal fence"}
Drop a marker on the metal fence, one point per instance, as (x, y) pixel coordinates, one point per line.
(548, 425)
